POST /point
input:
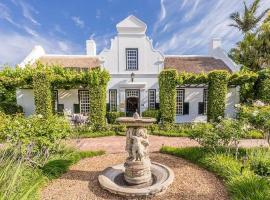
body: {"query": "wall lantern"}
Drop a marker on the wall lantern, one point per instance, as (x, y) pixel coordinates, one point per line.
(132, 76)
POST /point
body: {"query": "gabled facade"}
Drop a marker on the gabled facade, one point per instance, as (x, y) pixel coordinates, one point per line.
(134, 66)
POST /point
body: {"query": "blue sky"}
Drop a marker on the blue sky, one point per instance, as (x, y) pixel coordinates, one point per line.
(62, 26)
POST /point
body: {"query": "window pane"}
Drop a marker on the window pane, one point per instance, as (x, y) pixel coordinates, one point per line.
(151, 99)
(84, 101)
(179, 101)
(205, 102)
(132, 59)
(113, 100)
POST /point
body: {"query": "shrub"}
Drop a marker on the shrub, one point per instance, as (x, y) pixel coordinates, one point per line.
(35, 135)
(217, 91)
(254, 134)
(112, 116)
(152, 113)
(260, 161)
(10, 108)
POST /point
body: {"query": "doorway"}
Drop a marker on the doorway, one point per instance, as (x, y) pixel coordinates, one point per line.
(132, 102)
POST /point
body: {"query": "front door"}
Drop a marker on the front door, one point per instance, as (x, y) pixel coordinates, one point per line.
(132, 102)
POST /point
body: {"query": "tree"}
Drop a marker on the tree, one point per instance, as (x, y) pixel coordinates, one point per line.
(248, 21)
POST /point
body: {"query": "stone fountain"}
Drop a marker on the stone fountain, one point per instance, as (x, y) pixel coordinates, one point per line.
(138, 176)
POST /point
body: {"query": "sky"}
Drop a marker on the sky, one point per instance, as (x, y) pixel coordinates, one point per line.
(62, 26)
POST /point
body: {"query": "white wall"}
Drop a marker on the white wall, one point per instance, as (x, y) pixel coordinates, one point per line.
(193, 96)
(25, 98)
(68, 98)
(232, 98)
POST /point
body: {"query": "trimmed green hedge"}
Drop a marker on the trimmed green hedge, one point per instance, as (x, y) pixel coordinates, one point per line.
(167, 95)
(10, 108)
(217, 91)
(262, 91)
(152, 113)
(112, 116)
(42, 93)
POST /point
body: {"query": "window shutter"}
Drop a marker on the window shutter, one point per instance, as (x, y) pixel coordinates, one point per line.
(60, 108)
(201, 108)
(76, 108)
(186, 108)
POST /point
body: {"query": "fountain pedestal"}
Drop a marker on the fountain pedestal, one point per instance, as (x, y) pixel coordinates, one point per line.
(137, 176)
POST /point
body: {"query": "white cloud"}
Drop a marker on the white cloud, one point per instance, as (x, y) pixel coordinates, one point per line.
(78, 22)
(190, 25)
(15, 47)
(5, 14)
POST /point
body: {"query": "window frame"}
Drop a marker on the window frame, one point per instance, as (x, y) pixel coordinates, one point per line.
(56, 100)
(137, 59)
(205, 101)
(155, 100)
(79, 98)
(183, 101)
(110, 98)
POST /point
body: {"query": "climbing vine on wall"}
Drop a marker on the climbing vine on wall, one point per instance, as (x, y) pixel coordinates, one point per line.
(42, 93)
(167, 95)
(262, 90)
(217, 91)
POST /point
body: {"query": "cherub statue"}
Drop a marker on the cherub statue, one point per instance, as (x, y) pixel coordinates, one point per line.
(139, 145)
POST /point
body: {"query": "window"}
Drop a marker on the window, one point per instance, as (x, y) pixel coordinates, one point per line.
(180, 101)
(151, 99)
(55, 99)
(205, 102)
(132, 59)
(84, 101)
(113, 99)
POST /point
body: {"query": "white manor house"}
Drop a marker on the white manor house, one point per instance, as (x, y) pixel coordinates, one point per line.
(134, 66)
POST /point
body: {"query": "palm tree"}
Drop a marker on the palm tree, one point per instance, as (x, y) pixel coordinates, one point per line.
(248, 21)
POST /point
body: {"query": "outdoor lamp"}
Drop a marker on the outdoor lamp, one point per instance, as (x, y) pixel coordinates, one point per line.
(132, 76)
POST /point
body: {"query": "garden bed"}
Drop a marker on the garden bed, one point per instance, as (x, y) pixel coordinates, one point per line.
(242, 181)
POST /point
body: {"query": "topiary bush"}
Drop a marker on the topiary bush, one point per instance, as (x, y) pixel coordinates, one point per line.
(167, 95)
(217, 91)
(152, 113)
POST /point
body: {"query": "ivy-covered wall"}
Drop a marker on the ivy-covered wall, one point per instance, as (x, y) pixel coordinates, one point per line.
(97, 84)
(217, 91)
(42, 93)
(167, 95)
(262, 90)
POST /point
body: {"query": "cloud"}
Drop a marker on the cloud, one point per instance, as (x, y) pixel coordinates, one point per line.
(190, 25)
(5, 14)
(15, 47)
(78, 22)
(28, 11)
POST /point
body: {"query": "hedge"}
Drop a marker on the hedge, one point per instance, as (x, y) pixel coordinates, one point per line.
(217, 91)
(152, 113)
(262, 90)
(42, 93)
(167, 95)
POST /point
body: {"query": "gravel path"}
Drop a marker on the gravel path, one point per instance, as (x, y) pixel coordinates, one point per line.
(80, 183)
(116, 144)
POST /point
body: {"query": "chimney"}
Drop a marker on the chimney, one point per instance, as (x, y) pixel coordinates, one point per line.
(215, 43)
(91, 48)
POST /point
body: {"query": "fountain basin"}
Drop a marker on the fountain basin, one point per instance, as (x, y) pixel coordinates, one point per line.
(112, 179)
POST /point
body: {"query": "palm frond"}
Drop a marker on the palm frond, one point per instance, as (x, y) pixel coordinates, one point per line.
(254, 6)
(262, 15)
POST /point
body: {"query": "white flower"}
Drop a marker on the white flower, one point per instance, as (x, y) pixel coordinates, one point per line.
(40, 116)
(219, 118)
(258, 103)
(255, 113)
(237, 105)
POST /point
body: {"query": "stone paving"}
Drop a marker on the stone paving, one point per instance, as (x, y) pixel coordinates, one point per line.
(116, 144)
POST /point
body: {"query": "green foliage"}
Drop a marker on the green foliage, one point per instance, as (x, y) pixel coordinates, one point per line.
(34, 135)
(260, 161)
(19, 180)
(112, 116)
(42, 93)
(254, 134)
(167, 95)
(245, 185)
(152, 113)
(217, 91)
(97, 83)
(224, 133)
(263, 86)
(10, 108)
(170, 129)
